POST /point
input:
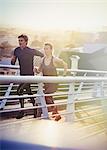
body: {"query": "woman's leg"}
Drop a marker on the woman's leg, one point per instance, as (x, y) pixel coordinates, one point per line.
(49, 100)
(53, 109)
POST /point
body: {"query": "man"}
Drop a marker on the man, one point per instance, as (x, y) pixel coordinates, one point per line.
(25, 57)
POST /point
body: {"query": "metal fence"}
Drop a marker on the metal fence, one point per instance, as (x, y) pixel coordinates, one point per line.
(80, 98)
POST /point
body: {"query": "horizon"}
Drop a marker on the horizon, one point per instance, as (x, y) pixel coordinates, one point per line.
(54, 15)
(29, 29)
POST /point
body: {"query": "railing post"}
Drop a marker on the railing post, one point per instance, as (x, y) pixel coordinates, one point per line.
(41, 100)
(98, 90)
(74, 63)
(80, 87)
(4, 101)
(70, 104)
(104, 104)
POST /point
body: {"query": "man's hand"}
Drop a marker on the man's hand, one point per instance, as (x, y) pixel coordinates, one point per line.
(13, 60)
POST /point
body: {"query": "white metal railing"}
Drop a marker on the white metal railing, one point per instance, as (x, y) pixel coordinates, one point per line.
(9, 66)
(48, 79)
(76, 91)
(7, 93)
(72, 94)
(60, 69)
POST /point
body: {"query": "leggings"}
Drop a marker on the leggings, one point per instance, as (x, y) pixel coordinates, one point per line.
(50, 100)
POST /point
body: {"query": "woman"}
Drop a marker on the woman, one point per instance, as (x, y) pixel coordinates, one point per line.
(48, 68)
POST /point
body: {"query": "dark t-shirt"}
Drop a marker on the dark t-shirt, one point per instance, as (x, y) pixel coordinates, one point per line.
(25, 57)
(49, 70)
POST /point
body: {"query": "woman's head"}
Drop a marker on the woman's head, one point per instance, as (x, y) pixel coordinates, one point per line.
(48, 48)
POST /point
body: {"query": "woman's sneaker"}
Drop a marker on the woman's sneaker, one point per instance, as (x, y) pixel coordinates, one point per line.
(57, 117)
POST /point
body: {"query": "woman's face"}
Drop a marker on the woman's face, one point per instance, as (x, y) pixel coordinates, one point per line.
(47, 50)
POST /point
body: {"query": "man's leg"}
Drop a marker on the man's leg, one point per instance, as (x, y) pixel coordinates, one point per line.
(20, 92)
(29, 92)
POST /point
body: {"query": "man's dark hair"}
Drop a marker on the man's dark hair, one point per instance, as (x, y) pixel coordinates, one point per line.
(49, 45)
(23, 36)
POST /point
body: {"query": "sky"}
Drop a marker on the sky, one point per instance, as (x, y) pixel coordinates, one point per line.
(54, 14)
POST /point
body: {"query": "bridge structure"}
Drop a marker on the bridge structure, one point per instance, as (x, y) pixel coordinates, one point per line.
(82, 103)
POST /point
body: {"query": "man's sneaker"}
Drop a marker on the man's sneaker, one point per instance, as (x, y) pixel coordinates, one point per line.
(20, 115)
(35, 113)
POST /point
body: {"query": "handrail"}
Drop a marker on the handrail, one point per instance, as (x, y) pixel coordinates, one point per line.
(9, 66)
(59, 69)
(48, 79)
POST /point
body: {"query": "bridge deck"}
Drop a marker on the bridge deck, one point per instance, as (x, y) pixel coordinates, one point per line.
(50, 134)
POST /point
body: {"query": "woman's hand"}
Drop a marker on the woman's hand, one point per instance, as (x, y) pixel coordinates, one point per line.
(35, 70)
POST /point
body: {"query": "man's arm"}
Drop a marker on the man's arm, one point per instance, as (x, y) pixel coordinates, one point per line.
(13, 60)
(14, 57)
(38, 69)
(38, 53)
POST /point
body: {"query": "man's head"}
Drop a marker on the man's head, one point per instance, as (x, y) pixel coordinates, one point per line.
(23, 40)
(48, 48)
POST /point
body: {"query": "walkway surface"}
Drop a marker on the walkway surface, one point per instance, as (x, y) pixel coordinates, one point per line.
(50, 135)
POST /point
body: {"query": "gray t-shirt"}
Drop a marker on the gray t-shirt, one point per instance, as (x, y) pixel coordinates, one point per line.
(25, 57)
